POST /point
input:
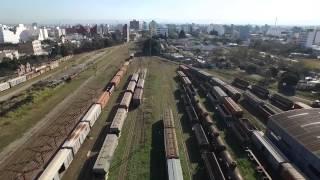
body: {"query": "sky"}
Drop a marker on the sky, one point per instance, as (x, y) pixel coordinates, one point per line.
(287, 12)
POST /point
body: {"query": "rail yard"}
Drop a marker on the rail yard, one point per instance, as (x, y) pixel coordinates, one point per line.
(126, 117)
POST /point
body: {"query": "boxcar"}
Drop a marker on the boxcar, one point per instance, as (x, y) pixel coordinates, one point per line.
(77, 137)
(17, 80)
(233, 107)
(212, 166)
(125, 102)
(140, 83)
(174, 169)
(103, 99)
(171, 143)
(201, 137)
(135, 77)
(4, 86)
(168, 120)
(131, 86)
(118, 121)
(92, 114)
(218, 93)
(58, 165)
(102, 165)
(232, 92)
(137, 97)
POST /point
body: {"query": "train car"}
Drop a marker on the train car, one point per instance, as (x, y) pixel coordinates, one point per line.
(219, 145)
(137, 97)
(240, 134)
(186, 81)
(228, 160)
(110, 88)
(201, 137)
(217, 82)
(246, 125)
(135, 77)
(131, 86)
(212, 166)
(102, 164)
(267, 111)
(181, 74)
(201, 110)
(233, 107)
(298, 105)
(263, 174)
(126, 63)
(213, 132)
(92, 114)
(272, 154)
(190, 91)
(240, 83)
(58, 165)
(140, 83)
(192, 115)
(183, 68)
(17, 80)
(253, 100)
(232, 92)
(224, 113)
(168, 120)
(131, 55)
(207, 121)
(282, 102)
(218, 93)
(54, 64)
(289, 172)
(171, 143)
(77, 137)
(115, 81)
(120, 74)
(204, 75)
(213, 99)
(103, 99)
(174, 169)
(118, 121)
(4, 86)
(260, 91)
(126, 100)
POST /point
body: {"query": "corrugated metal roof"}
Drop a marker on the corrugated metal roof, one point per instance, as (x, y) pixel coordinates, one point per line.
(303, 125)
(174, 169)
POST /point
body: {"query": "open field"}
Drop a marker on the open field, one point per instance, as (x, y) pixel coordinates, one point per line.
(313, 64)
(140, 153)
(86, 85)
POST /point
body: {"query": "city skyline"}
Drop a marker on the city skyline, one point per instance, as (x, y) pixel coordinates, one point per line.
(202, 11)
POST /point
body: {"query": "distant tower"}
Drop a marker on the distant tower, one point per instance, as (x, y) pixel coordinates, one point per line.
(126, 33)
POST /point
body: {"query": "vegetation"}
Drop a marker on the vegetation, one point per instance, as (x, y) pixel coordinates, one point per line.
(151, 47)
(182, 34)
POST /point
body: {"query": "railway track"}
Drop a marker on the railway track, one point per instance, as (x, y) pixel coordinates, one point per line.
(32, 156)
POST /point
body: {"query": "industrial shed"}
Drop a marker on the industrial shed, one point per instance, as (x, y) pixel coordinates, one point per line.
(297, 134)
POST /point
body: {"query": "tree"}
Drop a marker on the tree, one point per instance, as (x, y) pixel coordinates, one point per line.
(273, 71)
(151, 46)
(182, 34)
(214, 32)
(251, 69)
(289, 79)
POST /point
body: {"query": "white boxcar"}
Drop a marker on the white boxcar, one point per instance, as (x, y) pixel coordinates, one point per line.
(118, 121)
(58, 166)
(126, 100)
(174, 169)
(102, 164)
(17, 80)
(135, 77)
(76, 138)
(140, 83)
(92, 114)
(131, 86)
(4, 86)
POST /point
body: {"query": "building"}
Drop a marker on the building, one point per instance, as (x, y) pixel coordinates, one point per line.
(153, 27)
(32, 48)
(134, 24)
(126, 33)
(43, 34)
(60, 32)
(309, 37)
(297, 135)
(11, 54)
(10, 35)
(216, 27)
(162, 30)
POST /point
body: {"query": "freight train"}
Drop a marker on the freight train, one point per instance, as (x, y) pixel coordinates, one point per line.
(282, 102)
(260, 91)
(174, 169)
(64, 156)
(217, 159)
(240, 83)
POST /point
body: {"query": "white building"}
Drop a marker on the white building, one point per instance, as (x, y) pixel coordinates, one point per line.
(153, 28)
(60, 32)
(9, 54)
(11, 35)
(309, 37)
(162, 30)
(43, 34)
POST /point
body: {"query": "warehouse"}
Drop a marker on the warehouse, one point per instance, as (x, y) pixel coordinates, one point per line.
(297, 134)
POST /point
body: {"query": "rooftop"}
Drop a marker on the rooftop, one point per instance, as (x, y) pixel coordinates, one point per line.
(303, 125)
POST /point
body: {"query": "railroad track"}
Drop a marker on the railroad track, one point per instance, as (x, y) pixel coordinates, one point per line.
(43, 145)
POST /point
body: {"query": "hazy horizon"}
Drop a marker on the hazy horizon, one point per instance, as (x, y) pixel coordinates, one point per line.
(255, 12)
